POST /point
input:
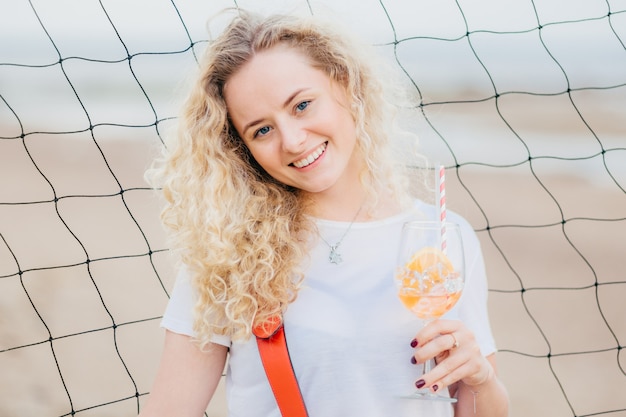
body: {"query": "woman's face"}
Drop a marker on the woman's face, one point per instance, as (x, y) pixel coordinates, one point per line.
(295, 121)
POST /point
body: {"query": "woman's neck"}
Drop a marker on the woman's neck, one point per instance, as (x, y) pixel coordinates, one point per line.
(353, 206)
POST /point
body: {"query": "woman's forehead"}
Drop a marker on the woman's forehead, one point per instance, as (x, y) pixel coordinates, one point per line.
(274, 73)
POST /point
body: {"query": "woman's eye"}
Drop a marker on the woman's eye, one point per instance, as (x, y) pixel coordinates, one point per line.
(262, 131)
(302, 106)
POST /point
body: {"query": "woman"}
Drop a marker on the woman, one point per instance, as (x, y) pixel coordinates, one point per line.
(282, 198)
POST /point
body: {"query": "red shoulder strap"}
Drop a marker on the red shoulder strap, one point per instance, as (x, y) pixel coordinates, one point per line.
(270, 337)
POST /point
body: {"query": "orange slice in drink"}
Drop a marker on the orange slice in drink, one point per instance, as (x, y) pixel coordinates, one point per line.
(427, 296)
(433, 262)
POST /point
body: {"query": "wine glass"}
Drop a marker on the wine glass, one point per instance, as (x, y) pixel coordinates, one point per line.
(429, 276)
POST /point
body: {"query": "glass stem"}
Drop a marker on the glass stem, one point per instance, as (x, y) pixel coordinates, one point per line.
(429, 364)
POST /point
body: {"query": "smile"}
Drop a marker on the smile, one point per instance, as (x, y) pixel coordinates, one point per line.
(312, 157)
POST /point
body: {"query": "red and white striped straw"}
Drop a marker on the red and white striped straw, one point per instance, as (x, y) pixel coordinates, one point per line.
(441, 180)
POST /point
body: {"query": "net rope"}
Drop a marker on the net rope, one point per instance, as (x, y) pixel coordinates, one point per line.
(84, 272)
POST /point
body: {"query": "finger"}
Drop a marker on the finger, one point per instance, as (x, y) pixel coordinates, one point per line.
(435, 329)
(466, 366)
(476, 373)
(438, 348)
(449, 378)
(441, 357)
(438, 377)
(454, 345)
(448, 371)
(455, 341)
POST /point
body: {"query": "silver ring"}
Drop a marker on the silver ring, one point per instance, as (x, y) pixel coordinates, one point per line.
(456, 343)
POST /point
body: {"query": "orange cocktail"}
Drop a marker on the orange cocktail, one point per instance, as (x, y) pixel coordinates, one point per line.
(430, 269)
(428, 284)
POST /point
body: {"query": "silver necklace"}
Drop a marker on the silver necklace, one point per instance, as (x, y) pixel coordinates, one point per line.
(334, 257)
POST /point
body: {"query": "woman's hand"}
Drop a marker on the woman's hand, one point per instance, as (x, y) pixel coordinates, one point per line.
(456, 353)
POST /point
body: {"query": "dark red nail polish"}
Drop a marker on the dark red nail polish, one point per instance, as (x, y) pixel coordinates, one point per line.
(420, 383)
(414, 343)
(435, 388)
(413, 360)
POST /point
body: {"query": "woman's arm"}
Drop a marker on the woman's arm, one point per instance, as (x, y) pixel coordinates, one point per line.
(488, 399)
(186, 379)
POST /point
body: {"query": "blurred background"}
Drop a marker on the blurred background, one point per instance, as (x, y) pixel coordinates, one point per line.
(523, 101)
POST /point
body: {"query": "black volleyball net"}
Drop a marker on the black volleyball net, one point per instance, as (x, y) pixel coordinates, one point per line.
(523, 102)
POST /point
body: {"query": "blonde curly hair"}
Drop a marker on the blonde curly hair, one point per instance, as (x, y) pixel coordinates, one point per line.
(241, 234)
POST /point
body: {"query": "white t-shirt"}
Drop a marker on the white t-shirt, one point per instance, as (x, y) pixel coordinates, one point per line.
(347, 332)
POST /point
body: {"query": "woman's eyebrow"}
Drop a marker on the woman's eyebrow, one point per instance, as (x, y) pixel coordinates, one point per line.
(285, 104)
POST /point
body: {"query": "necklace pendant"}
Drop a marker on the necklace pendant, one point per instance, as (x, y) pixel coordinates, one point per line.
(334, 257)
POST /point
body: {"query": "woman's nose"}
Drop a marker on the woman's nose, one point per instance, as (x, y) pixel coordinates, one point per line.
(293, 137)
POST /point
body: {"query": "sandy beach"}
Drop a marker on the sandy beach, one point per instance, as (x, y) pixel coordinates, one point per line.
(79, 324)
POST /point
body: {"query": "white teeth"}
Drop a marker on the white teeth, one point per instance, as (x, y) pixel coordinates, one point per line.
(311, 158)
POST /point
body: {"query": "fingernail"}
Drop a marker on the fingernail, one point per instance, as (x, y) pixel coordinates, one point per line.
(420, 383)
(435, 388)
(413, 360)
(414, 343)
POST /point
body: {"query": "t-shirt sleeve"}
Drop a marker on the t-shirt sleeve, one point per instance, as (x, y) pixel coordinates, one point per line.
(179, 313)
(473, 304)
(178, 316)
